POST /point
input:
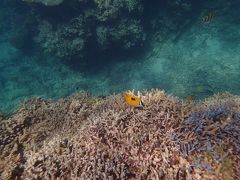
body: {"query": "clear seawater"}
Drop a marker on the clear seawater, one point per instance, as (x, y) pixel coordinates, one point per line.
(197, 60)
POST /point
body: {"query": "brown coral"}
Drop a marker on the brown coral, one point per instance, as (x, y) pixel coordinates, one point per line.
(87, 137)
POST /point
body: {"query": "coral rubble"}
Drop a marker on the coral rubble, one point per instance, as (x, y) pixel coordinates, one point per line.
(89, 137)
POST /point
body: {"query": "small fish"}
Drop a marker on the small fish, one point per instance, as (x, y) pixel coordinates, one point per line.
(208, 17)
(133, 100)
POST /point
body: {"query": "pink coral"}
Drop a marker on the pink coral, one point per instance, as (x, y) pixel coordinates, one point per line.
(87, 137)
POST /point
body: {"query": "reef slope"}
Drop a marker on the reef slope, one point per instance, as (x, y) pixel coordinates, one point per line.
(89, 137)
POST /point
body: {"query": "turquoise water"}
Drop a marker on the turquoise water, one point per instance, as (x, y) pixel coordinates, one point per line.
(193, 59)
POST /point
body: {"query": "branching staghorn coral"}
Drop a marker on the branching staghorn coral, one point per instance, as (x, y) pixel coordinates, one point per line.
(89, 137)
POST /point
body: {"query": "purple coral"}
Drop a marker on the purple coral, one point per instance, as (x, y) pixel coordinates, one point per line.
(214, 113)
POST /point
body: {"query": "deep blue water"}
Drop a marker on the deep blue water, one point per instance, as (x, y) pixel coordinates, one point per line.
(105, 48)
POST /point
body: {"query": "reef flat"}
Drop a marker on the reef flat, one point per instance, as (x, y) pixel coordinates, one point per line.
(86, 137)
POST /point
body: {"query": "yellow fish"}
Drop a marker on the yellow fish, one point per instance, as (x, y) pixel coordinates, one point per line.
(133, 100)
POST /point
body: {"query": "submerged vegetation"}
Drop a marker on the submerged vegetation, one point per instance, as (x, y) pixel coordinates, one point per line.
(90, 137)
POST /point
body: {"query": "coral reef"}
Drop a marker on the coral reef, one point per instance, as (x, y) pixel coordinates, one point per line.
(107, 10)
(100, 23)
(180, 6)
(105, 25)
(67, 41)
(126, 34)
(47, 2)
(89, 137)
